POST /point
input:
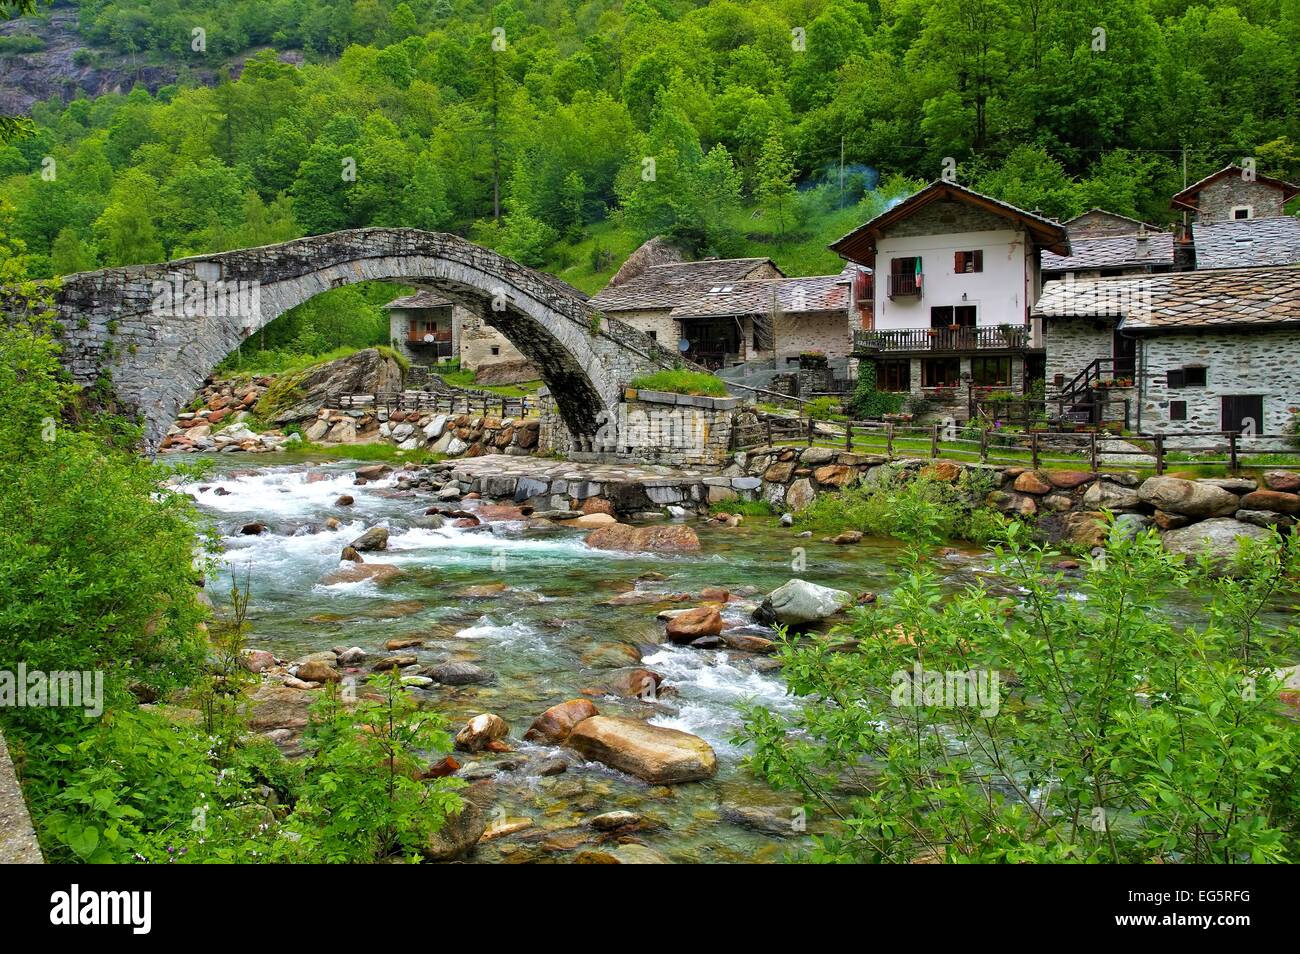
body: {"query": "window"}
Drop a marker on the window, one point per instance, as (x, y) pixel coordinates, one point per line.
(1243, 211)
(990, 372)
(652, 335)
(968, 261)
(496, 350)
(1177, 410)
(940, 372)
(1193, 377)
(904, 276)
(894, 375)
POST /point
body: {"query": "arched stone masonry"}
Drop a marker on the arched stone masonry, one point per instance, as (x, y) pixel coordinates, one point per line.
(158, 330)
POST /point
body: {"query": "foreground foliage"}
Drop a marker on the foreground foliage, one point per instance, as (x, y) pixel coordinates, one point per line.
(1119, 732)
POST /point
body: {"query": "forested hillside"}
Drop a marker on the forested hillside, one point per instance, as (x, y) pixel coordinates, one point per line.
(563, 133)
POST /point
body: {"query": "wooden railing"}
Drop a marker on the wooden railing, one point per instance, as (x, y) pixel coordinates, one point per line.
(904, 285)
(389, 401)
(1008, 338)
(994, 445)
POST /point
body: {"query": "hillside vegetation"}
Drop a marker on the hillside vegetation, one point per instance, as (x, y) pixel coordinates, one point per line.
(564, 134)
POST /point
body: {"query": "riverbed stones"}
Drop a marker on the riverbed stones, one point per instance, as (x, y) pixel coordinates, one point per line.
(1106, 494)
(654, 754)
(800, 603)
(372, 471)
(1219, 537)
(556, 723)
(1068, 479)
(315, 670)
(462, 831)
(1266, 518)
(482, 730)
(1283, 480)
(273, 706)
(455, 672)
(376, 538)
(1190, 498)
(1275, 500)
(675, 538)
(692, 624)
(611, 821)
(1031, 483)
(357, 572)
(800, 494)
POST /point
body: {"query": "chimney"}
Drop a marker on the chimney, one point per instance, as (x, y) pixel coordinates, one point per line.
(1184, 248)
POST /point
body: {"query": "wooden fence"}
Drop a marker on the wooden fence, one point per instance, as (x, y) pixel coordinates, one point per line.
(1093, 450)
(389, 401)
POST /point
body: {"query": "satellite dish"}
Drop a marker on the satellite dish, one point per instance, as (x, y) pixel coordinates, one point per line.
(428, 339)
(683, 346)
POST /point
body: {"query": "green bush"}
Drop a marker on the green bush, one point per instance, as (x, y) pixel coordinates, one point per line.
(908, 507)
(1108, 728)
(866, 403)
(681, 382)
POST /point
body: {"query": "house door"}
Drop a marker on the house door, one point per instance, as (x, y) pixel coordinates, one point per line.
(1125, 352)
(1243, 412)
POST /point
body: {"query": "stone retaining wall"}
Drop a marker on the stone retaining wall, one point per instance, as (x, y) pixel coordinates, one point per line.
(18, 843)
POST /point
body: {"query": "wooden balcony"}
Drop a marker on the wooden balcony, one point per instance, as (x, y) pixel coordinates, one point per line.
(905, 285)
(961, 340)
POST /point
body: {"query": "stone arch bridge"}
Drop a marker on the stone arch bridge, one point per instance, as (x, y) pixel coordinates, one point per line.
(157, 331)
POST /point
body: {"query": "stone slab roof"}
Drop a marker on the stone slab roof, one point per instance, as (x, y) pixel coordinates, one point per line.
(421, 299)
(661, 287)
(1246, 242)
(1115, 251)
(1228, 299)
(816, 293)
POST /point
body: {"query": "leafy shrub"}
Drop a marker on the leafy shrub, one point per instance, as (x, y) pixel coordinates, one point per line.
(681, 382)
(821, 409)
(908, 507)
(866, 403)
(1115, 731)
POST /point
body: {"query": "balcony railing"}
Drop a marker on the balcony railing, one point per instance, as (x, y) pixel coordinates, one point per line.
(904, 285)
(1010, 338)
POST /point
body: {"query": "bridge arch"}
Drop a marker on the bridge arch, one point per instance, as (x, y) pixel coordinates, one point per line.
(159, 330)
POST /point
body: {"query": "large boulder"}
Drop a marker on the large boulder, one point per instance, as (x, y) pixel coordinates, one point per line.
(461, 832)
(479, 732)
(690, 625)
(376, 538)
(800, 603)
(673, 538)
(1109, 496)
(557, 722)
(301, 394)
(1219, 537)
(653, 754)
(1188, 497)
(1275, 500)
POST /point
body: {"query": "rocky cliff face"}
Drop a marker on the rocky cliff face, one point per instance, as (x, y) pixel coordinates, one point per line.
(28, 78)
(301, 394)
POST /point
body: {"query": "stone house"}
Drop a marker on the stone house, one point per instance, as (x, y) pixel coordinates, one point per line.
(429, 329)
(646, 298)
(1212, 349)
(947, 309)
(1234, 194)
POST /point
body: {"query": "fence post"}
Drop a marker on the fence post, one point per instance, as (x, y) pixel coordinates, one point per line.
(1232, 451)
(934, 441)
(1092, 450)
(810, 431)
(1159, 441)
(768, 422)
(1033, 450)
(984, 445)
(848, 435)
(889, 440)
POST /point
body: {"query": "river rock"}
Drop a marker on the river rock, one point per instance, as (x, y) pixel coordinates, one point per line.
(317, 671)
(253, 529)
(480, 731)
(357, 572)
(1219, 537)
(674, 538)
(556, 723)
(1188, 497)
(396, 661)
(1283, 480)
(371, 471)
(800, 494)
(350, 555)
(690, 625)
(614, 820)
(1265, 518)
(376, 538)
(800, 603)
(352, 657)
(1110, 496)
(460, 673)
(1068, 479)
(1031, 483)
(257, 660)
(279, 707)
(590, 521)
(1274, 500)
(635, 684)
(346, 500)
(629, 854)
(461, 832)
(1086, 529)
(651, 753)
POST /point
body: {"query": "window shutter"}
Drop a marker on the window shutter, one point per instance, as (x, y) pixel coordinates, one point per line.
(979, 260)
(958, 262)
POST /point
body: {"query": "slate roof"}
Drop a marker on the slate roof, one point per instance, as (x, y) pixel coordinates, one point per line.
(1115, 251)
(1122, 223)
(790, 295)
(859, 245)
(668, 285)
(1224, 299)
(1243, 242)
(421, 299)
